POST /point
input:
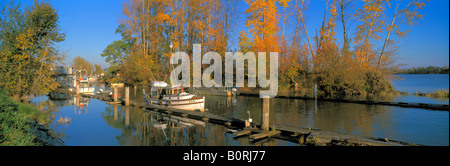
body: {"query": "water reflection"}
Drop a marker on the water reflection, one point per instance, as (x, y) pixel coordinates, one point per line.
(138, 127)
(396, 123)
(150, 128)
(93, 122)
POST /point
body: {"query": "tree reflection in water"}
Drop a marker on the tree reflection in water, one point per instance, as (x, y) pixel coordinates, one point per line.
(148, 128)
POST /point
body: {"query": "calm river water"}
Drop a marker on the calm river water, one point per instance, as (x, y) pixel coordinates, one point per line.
(93, 122)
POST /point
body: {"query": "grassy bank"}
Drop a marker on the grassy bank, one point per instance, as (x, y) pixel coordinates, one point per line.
(16, 121)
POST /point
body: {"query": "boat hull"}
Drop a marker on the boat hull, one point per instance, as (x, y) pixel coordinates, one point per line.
(193, 103)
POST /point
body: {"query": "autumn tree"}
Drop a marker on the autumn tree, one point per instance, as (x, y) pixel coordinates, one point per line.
(327, 62)
(245, 43)
(345, 17)
(405, 13)
(79, 63)
(27, 48)
(159, 28)
(300, 8)
(371, 15)
(145, 22)
(263, 24)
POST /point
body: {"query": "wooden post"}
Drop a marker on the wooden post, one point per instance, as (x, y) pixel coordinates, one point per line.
(135, 88)
(127, 96)
(78, 89)
(115, 93)
(265, 113)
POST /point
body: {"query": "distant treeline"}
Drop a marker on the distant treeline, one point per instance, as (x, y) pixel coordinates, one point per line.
(424, 70)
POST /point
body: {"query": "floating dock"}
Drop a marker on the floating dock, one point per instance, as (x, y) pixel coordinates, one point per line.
(240, 128)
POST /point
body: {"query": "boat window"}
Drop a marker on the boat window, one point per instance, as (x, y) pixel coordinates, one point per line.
(163, 92)
(154, 93)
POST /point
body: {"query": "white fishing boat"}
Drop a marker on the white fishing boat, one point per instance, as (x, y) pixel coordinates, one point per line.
(80, 79)
(173, 97)
(86, 86)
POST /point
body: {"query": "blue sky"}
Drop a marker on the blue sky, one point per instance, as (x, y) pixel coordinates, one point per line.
(90, 26)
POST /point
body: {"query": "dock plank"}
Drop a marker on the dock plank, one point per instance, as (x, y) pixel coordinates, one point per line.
(242, 133)
(264, 134)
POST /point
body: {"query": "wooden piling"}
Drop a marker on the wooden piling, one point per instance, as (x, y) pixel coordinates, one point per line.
(265, 114)
(115, 93)
(127, 96)
(78, 89)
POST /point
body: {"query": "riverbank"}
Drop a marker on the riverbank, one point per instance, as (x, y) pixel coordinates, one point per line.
(21, 124)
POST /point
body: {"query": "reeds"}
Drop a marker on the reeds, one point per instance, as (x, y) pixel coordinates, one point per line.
(441, 93)
(65, 120)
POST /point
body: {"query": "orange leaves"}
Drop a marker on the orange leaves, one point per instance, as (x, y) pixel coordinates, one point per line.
(371, 16)
(25, 41)
(162, 17)
(284, 3)
(263, 22)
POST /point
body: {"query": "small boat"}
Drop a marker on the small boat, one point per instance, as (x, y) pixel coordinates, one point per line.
(104, 92)
(80, 79)
(173, 97)
(86, 86)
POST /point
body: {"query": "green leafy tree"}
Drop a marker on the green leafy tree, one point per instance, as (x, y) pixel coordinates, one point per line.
(98, 69)
(116, 53)
(27, 48)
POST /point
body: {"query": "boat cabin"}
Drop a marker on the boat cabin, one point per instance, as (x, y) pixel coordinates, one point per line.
(168, 91)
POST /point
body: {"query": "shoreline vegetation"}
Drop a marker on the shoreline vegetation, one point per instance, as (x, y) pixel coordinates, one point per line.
(151, 32)
(355, 66)
(439, 94)
(22, 124)
(423, 70)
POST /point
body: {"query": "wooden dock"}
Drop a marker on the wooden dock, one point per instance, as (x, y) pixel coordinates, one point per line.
(437, 107)
(302, 136)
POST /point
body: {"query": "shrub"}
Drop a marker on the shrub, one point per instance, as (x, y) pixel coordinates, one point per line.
(377, 84)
